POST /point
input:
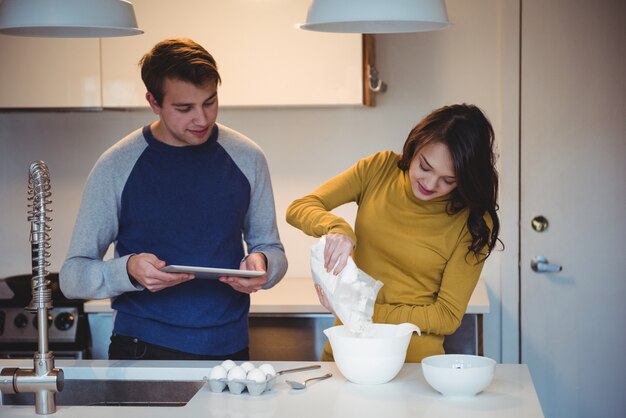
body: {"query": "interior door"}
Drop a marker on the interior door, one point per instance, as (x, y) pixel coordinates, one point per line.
(573, 173)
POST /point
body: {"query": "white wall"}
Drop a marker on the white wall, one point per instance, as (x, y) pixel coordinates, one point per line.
(305, 146)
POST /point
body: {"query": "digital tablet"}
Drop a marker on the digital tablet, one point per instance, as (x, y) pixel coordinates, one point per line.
(211, 272)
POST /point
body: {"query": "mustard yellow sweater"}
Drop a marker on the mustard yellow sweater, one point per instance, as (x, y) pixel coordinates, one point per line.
(414, 247)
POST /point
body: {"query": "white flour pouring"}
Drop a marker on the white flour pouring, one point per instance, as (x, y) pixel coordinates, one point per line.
(351, 294)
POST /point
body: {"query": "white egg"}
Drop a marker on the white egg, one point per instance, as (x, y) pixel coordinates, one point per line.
(247, 366)
(228, 364)
(236, 373)
(256, 375)
(218, 372)
(268, 369)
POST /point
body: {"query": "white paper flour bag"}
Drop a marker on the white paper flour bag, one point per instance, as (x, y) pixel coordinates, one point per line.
(351, 294)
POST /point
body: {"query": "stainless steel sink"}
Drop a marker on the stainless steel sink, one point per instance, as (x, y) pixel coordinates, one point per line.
(116, 393)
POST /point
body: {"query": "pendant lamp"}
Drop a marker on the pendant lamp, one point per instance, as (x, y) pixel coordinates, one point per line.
(376, 16)
(68, 18)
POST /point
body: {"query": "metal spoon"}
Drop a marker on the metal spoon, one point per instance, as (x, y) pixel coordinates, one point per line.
(298, 369)
(302, 385)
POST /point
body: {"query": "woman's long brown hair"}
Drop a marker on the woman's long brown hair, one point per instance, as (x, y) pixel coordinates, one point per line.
(469, 136)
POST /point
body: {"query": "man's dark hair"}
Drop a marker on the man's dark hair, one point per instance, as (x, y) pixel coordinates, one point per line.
(179, 59)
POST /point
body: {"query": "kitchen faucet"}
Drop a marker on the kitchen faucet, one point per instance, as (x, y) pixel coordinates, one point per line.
(43, 379)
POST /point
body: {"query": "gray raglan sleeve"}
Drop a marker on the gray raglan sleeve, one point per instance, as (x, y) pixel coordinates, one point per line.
(261, 231)
(84, 274)
(260, 228)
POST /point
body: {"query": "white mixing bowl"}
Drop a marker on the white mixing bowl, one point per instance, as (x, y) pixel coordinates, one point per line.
(458, 374)
(372, 359)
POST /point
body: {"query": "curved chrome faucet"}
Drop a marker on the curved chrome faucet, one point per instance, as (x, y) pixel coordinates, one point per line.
(43, 379)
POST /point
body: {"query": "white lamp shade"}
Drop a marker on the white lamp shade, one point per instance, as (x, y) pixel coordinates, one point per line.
(376, 16)
(68, 18)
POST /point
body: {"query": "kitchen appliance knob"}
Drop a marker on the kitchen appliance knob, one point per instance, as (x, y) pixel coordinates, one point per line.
(64, 321)
(20, 321)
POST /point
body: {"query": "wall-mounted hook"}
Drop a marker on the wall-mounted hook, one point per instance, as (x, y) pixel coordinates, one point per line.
(375, 83)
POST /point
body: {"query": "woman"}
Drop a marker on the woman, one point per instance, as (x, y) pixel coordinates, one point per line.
(425, 224)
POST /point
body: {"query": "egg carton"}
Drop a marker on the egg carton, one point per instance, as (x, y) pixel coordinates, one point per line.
(237, 386)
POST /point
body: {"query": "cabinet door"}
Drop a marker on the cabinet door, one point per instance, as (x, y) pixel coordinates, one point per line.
(263, 58)
(49, 73)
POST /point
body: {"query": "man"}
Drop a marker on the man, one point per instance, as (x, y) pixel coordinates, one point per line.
(183, 190)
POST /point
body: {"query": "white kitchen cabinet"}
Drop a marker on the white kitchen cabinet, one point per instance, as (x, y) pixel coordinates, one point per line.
(263, 58)
(49, 73)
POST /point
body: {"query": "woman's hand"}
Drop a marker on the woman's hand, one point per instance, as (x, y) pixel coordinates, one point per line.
(323, 300)
(336, 252)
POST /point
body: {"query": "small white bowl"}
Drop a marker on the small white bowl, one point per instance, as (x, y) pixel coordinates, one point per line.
(458, 374)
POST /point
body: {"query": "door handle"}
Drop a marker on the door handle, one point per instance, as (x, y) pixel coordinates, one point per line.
(540, 264)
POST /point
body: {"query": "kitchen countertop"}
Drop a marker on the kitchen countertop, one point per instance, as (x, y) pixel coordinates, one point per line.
(298, 296)
(511, 394)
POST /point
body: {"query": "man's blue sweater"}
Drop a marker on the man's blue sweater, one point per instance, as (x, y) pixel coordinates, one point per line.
(191, 205)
